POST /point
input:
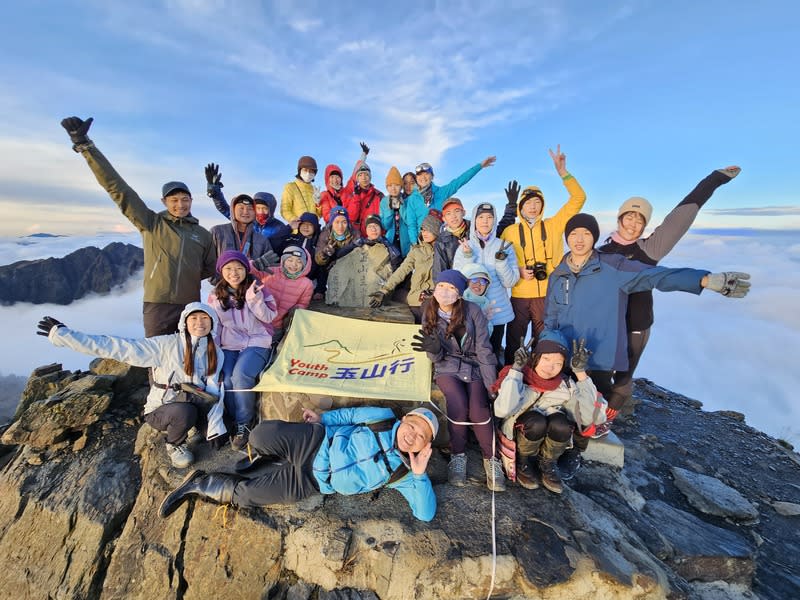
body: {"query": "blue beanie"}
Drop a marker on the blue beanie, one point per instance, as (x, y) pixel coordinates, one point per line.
(338, 211)
(552, 341)
(454, 278)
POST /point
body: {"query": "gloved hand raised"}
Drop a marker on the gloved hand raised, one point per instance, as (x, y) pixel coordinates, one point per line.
(364, 148)
(580, 356)
(266, 260)
(376, 299)
(523, 354)
(213, 180)
(46, 325)
(730, 283)
(424, 342)
(77, 129)
(512, 192)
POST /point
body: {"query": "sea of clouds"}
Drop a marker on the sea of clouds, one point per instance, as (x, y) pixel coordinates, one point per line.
(740, 355)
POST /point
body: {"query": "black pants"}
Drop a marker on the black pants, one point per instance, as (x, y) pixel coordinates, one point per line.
(291, 477)
(496, 339)
(535, 426)
(176, 418)
(617, 386)
(161, 318)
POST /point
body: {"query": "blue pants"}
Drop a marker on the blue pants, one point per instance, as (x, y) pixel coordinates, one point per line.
(240, 372)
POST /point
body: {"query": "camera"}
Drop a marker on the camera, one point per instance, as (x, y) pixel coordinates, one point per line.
(539, 270)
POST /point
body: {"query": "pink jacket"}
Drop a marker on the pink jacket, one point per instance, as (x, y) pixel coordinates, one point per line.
(249, 326)
(288, 293)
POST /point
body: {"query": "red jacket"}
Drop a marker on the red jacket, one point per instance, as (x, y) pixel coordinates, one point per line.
(331, 198)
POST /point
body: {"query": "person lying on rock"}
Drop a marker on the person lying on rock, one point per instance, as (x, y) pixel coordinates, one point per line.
(539, 408)
(187, 359)
(346, 451)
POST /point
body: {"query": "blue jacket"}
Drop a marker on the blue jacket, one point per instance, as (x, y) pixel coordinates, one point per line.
(349, 460)
(417, 210)
(592, 304)
(503, 273)
(387, 221)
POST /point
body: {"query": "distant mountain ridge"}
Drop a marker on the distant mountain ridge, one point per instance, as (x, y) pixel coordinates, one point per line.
(62, 280)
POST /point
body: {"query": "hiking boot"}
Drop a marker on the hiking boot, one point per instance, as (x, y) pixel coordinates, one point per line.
(569, 463)
(457, 470)
(527, 450)
(495, 479)
(548, 459)
(550, 478)
(215, 487)
(602, 430)
(180, 455)
(240, 438)
(527, 476)
(194, 436)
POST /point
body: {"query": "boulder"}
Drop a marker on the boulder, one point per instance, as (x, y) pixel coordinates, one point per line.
(711, 496)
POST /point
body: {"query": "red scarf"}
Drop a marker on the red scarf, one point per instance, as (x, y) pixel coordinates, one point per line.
(529, 378)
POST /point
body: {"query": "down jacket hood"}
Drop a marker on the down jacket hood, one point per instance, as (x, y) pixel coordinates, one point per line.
(473, 233)
(267, 199)
(202, 307)
(333, 169)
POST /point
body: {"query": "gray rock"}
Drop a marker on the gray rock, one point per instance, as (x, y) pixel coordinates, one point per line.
(702, 551)
(786, 509)
(711, 496)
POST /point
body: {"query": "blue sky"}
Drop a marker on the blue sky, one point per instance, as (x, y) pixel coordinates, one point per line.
(644, 97)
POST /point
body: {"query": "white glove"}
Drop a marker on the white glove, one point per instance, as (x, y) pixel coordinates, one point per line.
(730, 283)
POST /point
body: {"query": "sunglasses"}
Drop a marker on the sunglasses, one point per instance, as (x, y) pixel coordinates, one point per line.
(479, 280)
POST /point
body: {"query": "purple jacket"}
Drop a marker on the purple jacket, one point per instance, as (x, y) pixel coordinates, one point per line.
(249, 326)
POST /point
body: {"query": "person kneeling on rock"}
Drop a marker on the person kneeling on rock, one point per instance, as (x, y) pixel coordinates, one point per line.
(186, 372)
(540, 406)
(346, 451)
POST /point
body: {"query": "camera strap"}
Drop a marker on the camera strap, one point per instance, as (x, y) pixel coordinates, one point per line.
(533, 244)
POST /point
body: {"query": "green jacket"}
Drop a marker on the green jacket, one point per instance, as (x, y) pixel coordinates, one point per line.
(178, 252)
(420, 261)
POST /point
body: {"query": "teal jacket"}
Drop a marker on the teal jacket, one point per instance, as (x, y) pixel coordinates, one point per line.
(351, 459)
(417, 211)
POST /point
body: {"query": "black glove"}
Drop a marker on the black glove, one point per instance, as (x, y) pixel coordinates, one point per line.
(330, 248)
(512, 192)
(364, 148)
(213, 180)
(580, 356)
(77, 129)
(523, 354)
(266, 260)
(376, 299)
(46, 324)
(424, 342)
(502, 254)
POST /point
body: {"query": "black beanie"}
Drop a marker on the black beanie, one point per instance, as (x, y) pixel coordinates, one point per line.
(583, 220)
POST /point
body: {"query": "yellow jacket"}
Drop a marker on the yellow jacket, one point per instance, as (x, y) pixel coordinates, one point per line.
(550, 251)
(297, 198)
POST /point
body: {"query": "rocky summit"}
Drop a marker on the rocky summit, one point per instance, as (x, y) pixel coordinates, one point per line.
(704, 507)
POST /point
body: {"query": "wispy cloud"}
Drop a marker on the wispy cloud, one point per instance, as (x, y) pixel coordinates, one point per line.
(756, 211)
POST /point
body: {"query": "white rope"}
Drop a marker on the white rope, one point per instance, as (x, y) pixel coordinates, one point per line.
(493, 511)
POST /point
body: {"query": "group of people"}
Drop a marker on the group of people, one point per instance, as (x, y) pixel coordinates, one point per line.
(476, 287)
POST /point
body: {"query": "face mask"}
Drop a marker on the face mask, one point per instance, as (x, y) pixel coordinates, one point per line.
(261, 218)
(306, 175)
(445, 297)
